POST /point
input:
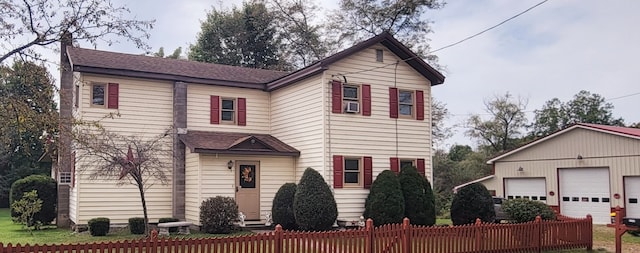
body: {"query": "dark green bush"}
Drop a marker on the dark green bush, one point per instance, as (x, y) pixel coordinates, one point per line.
(169, 219)
(419, 205)
(99, 226)
(525, 210)
(282, 207)
(136, 225)
(385, 203)
(217, 215)
(471, 202)
(314, 206)
(47, 191)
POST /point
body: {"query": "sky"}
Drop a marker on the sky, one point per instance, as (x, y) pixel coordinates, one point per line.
(552, 51)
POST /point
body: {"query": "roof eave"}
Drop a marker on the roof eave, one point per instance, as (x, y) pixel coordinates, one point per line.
(244, 152)
(311, 70)
(166, 77)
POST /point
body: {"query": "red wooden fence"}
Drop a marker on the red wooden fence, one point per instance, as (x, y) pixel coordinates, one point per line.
(395, 238)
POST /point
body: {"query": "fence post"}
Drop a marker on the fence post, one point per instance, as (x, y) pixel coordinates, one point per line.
(478, 229)
(538, 240)
(278, 239)
(590, 231)
(368, 247)
(406, 236)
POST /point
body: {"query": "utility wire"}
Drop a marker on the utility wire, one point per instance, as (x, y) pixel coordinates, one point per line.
(490, 28)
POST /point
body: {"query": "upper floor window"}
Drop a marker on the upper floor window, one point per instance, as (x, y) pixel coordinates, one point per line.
(105, 95)
(350, 98)
(406, 103)
(228, 110)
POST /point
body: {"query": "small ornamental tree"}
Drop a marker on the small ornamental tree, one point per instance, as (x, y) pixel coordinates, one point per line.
(47, 191)
(282, 208)
(26, 208)
(419, 205)
(314, 206)
(471, 202)
(385, 203)
(525, 210)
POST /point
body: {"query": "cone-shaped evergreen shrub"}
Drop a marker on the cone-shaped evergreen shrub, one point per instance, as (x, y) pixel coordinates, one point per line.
(282, 207)
(385, 203)
(314, 206)
(525, 210)
(419, 205)
(471, 202)
(47, 192)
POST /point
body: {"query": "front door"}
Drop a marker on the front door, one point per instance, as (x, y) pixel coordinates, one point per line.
(248, 188)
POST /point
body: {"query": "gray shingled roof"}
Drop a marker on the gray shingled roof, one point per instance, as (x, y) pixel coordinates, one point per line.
(236, 143)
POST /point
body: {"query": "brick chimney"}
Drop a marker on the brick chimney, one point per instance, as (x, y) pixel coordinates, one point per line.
(65, 158)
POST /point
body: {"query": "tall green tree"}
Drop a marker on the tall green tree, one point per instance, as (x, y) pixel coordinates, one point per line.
(175, 55)
(240, 37)
(357, 20)
(503, 129)
(585, 107)
(39, 23)
(27, 110)
(439, 131)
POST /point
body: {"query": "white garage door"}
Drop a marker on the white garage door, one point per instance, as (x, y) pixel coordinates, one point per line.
(632, 196)
(526, 188)
(585, 191)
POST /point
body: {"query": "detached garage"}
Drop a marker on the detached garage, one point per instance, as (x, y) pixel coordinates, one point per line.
(583, 169)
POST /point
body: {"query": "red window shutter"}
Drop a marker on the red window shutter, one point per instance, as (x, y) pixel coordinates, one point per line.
(421, 166)
(336, 97)
(419, 105)
(338, 171)
(393, 102)
(112, 98)
(215, 110)
(368, 172)
(395, 164)
(242, 111)
(366, 100)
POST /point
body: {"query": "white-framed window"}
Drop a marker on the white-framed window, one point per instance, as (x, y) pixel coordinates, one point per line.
(352, 171)
(228, 110)
(351, 98)
(64, 177)
(99, 94)
(406, 103)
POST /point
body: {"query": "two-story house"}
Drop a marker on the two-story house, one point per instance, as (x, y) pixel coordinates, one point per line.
(242, 132)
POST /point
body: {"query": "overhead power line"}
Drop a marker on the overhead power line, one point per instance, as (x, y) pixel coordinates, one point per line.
(490, 28)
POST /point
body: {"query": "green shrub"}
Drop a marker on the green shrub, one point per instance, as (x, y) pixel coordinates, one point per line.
(385, 203)
(217, 215)
(136, 225)
(99, 226)
(282, 207)
(314, 206)
(471, 202)
(169, 219)
(26, 208)
(47, 191)
(525, 210)
(419, 205)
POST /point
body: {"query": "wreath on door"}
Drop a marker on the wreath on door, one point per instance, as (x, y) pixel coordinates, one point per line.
(247, 174)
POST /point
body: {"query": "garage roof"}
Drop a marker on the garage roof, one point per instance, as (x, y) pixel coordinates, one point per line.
(615, 130)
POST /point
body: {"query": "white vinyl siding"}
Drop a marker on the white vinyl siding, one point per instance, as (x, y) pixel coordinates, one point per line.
(199, 109)
(378, 135)
(145, 110)
(192, 186)
(215, 179)
(296, 119)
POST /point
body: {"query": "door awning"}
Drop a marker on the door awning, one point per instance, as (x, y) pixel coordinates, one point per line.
(236, 143)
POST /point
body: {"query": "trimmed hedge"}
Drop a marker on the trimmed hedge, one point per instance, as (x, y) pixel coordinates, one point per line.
(419, 202)
(282, 207)
(99, 226)
(471, 202)
(169, 219)
(136, 225)
(217, 215)
(314, 206)
(525, 210)
(47, 192)
(385, 202)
